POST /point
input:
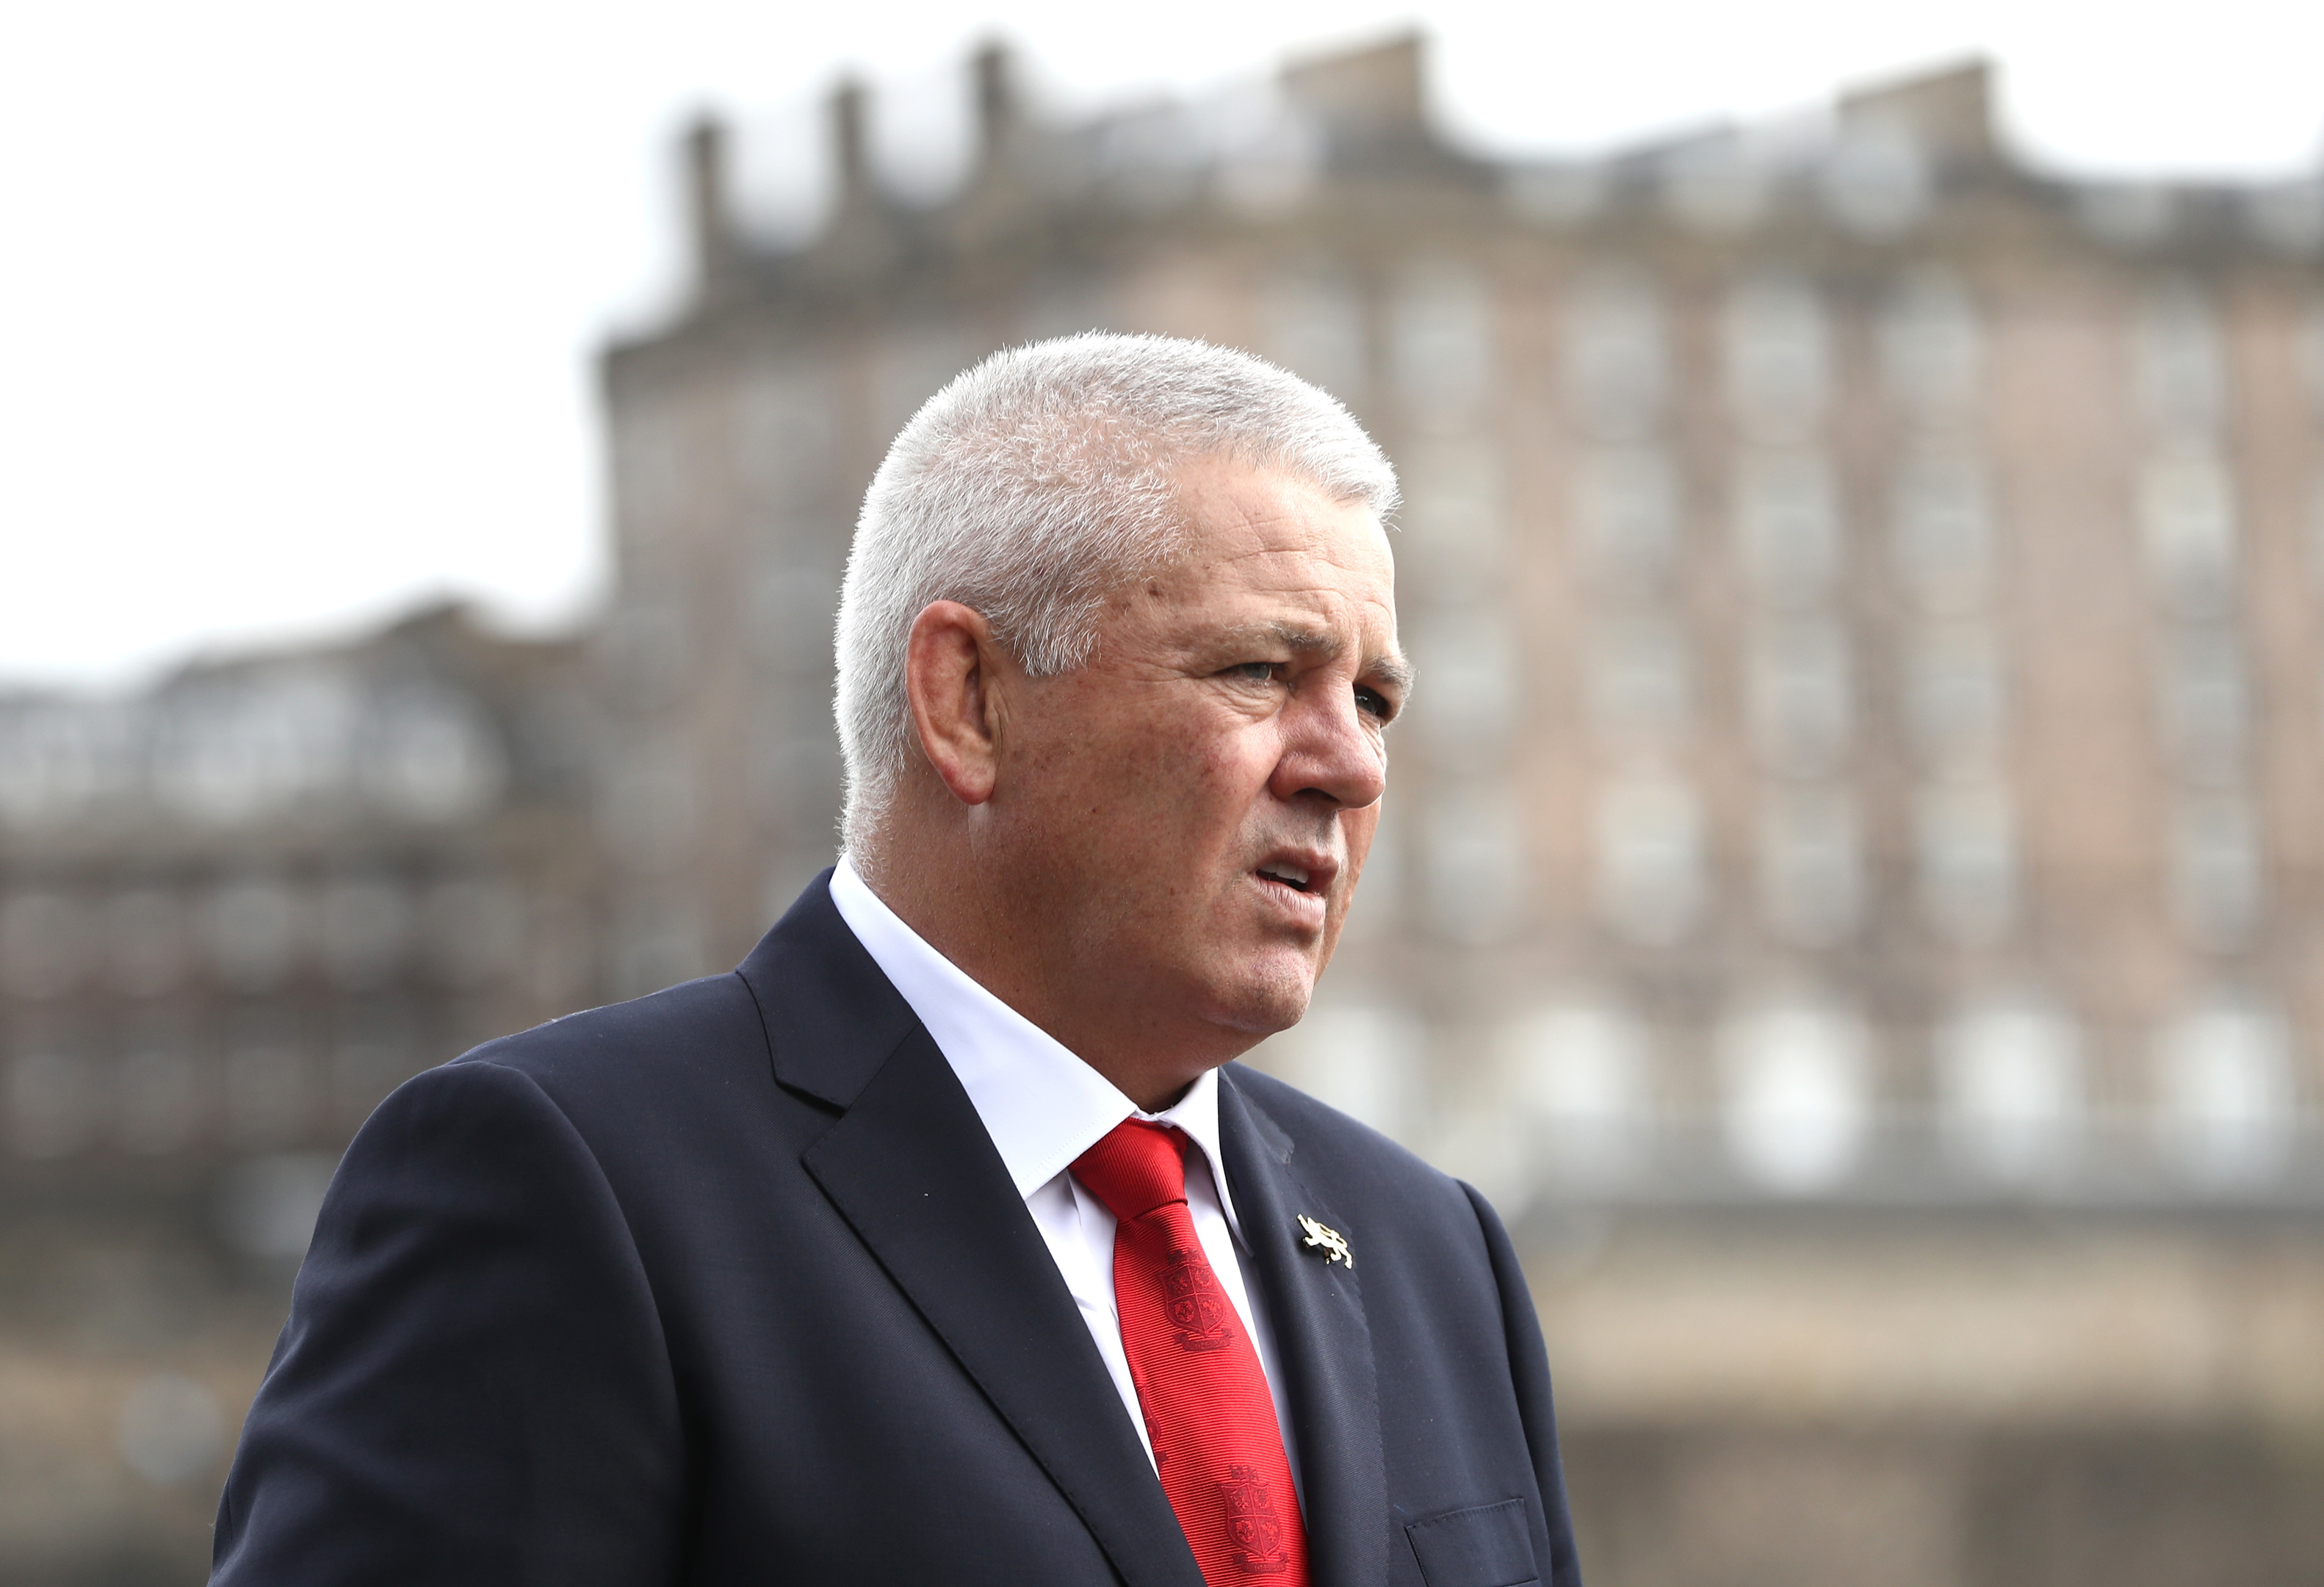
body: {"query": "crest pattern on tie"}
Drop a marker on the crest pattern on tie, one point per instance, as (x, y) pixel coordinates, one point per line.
(1208, 1412)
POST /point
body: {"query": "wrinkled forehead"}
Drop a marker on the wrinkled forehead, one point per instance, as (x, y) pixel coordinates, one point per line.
(1262, 548)
(1227, 507)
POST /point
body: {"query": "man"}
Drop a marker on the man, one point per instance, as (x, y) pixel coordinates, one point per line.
(943, 1242)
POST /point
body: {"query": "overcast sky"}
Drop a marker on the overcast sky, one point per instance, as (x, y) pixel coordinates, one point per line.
(298, 301)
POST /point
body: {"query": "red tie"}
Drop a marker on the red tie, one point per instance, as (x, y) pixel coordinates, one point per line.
(1207, 1408)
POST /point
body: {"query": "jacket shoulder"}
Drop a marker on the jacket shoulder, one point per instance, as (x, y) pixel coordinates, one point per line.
(717, 1007)
(649, 1052)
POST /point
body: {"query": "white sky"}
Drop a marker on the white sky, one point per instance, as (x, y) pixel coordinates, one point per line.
(299, 301)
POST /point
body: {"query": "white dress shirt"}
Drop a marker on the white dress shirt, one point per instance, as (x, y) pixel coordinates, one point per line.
(1044, 1107)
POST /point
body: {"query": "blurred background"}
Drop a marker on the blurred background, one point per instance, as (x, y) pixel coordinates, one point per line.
(1852, 891)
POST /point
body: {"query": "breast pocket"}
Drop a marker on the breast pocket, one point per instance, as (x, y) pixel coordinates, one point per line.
(1491, 1545)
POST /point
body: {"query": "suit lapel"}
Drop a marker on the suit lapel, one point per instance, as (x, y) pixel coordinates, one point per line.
(910, 1165)
(1323, 1346)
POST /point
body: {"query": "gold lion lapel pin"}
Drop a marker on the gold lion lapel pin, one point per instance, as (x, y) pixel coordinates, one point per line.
(1328, 1243)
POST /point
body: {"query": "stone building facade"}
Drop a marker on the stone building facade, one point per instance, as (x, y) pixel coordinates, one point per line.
(1850, 889)
(237, 910)
(1851, 886)
(1866, 594)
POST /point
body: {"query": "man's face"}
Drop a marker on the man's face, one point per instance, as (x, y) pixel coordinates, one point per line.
(1195, 805)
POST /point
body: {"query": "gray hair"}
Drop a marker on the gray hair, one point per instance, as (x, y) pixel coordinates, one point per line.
(1036, 483)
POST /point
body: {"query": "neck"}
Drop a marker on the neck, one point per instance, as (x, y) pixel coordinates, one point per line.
(1007, 936)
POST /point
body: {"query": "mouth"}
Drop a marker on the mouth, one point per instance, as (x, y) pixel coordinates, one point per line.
(1310, 874)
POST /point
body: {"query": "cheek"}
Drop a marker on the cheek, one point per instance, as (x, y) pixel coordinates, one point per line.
(1191, 772)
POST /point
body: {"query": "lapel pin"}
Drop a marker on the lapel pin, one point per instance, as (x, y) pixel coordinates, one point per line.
(1328, 1243)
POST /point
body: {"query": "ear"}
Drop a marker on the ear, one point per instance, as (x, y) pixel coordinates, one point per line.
(951, 666)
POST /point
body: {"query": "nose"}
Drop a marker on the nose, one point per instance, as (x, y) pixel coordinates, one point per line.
(1330, 752)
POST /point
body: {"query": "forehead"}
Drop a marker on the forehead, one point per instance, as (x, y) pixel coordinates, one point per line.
(1262, 533)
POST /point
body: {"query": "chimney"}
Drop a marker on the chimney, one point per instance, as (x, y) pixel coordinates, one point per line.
(996, 105)
(705, 162)
(1948, 113)
(1371, 95)
(849, 142)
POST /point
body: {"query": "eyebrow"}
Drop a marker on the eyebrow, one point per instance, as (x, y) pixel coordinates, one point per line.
(1392, 668)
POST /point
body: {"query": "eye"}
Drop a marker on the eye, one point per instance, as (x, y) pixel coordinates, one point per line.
(1251, 672)
(1374, 704)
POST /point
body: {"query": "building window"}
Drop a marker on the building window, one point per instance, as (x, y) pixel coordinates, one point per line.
(58, 763)
(1715, 184)
(2182, 377)
(2215, 870)
(44, 944)
(1942, 529)
(1650, 857)
(1812, 872)
(1875, 181)
(1470, 660)
(1580, 1072)
(2226, 1101)
(1967, 843)
(1441, 345)
(2009, 1076)
(365, 925)
(652, 473)
(51, 1101)
(1798, 1103)
(431, 755)
(2204, 703)
(150, 953)
(2316, 527)
(159, 1100)
(1787, 525)
(783, 434)
(476, 929)
(2287, 217)
(797, 781)
(645, 650)
(255, 927)
(1932, 349)
(1640, 679)
(236, 752)
(1617, 357)
(1801, 697)
(1956, 696)
(1313, 323)
(1626, 503)
(790, 613)
(270, 1090)
(1778, 358)
(2187, 509)
(1366, 1060)
(647, 812)
(1452, 517)
(658, 942)
(2311, 347)
(1476, 866)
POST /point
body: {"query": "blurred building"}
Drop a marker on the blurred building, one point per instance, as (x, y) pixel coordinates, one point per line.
(1850, 890)
(1852, 875)
(234, 913)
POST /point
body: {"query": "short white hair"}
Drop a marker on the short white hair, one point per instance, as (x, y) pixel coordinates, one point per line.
(1036, 483)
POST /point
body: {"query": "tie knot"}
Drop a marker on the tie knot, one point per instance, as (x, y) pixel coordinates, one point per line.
(1135, 1168)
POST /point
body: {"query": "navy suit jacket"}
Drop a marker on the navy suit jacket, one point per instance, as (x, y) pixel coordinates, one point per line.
(728, 1285)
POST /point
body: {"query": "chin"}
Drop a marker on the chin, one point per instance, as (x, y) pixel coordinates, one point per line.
(1267, 998)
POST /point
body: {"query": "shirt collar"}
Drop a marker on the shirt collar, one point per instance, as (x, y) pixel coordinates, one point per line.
(1042, 1105)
